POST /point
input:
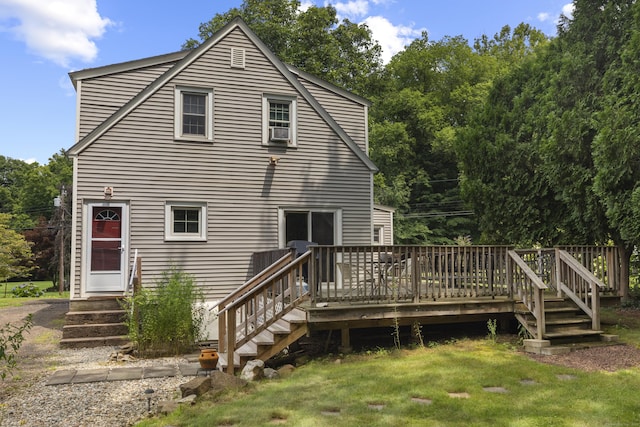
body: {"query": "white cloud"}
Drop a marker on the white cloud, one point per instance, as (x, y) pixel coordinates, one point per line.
(352, 9)
(391, 38)
(58, 30)
(567, 10)
(543, 16)
(305, 4)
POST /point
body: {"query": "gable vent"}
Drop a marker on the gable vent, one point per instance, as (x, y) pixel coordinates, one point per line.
(237, 57)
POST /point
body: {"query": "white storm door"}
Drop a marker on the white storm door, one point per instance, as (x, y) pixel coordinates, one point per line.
(106, 265)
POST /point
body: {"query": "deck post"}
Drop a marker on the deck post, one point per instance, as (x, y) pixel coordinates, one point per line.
(345, 344)
(595, 307)
(231, 340)
(509, 268)
(222, 329)
(311, 273)
(539, 313)
(415, 275)
(558, 272)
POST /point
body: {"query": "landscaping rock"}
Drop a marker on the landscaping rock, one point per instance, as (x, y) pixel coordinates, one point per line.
(197, 386)
(286, 370)
(253, 370)
(167, 406)
(271, 374)
(221, 381)
(190, 399)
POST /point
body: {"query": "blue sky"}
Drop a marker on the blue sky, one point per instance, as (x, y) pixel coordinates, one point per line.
(42, 40)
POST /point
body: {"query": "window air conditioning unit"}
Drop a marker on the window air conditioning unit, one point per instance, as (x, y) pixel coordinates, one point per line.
(279, 134)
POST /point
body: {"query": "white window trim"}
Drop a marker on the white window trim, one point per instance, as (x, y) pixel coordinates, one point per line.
(293, 113)
(169, 235)
(379, 234)
(178, 135)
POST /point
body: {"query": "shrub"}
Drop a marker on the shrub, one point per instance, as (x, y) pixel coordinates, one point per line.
(167, 319)
(26, 291)
(11, 338)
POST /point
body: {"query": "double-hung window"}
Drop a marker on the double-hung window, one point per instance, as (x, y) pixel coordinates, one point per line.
(194, 114)
(279, 120)
(185, 221)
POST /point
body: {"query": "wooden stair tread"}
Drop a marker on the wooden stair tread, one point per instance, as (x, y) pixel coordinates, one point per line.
(223, 362)
(264, 338)
(280, 327)
(296, 316)
(568, 321)
(248, 349)
(572, 333)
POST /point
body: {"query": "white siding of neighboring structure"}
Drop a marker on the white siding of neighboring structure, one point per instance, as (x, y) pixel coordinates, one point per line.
(139, 158)
(383, 217)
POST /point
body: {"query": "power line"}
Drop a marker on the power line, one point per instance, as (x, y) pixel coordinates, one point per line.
(438, 214)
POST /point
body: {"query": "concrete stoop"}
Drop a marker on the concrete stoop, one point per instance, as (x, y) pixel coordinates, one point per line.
(545, 347)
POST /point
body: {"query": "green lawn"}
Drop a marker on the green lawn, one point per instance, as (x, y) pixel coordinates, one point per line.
(7, 299)
(411, 388)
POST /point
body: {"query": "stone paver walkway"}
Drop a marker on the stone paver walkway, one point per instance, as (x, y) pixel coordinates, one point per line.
(73, 376)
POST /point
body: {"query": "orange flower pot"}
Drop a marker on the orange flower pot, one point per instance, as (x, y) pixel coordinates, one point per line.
(208, 358)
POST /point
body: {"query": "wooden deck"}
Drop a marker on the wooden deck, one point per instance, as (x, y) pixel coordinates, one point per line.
(340, 288)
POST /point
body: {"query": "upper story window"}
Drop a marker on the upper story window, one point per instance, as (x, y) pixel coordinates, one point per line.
(194, 114)
(279, 120)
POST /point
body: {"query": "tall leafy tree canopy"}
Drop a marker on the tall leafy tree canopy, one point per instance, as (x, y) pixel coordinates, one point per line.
(552, 157)
(27, 191)
(429, 91)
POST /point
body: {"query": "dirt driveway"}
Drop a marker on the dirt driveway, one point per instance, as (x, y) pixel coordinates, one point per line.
(40, 341)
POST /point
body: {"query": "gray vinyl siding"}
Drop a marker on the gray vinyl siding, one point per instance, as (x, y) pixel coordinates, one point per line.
(139, 158)
(102, 96)
(347, 113)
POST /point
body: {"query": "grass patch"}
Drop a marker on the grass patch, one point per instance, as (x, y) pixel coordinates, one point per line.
(624, 322)
(10, 301)
(325, 393)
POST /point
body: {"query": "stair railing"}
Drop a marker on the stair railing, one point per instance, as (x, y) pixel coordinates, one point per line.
(261, 302)
(528, 288)
(581, 285)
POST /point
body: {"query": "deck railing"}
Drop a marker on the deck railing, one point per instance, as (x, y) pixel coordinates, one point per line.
(366, 274)
(528, 288)
(579, 284)
(260, 302)
(604, 262)
(392, 274)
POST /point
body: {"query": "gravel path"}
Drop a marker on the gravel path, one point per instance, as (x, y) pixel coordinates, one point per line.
(26, 401)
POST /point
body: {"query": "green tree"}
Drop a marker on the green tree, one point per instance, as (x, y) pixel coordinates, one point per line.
(15, 251)
(313, 40)
(616, 151)
(428, 93)
(563, 136)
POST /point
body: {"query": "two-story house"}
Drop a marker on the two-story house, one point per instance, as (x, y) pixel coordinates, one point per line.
(200, 158)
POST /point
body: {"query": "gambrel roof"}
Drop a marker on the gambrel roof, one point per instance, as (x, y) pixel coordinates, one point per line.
(185, 58)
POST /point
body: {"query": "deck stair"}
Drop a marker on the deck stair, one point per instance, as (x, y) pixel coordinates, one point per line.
(282, 333)
(94, 322)
(566, 326)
